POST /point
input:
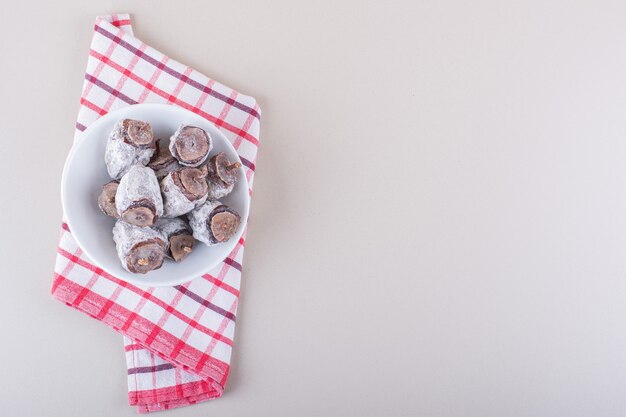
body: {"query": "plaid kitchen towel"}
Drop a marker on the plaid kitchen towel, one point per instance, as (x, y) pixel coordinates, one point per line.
(178, 340)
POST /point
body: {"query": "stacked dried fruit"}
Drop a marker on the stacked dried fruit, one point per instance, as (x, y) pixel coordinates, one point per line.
(154, 185)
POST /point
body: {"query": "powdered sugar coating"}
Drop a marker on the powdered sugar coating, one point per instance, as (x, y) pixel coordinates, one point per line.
(138, 183)
(119, 156)
(199, 224)
(218, 189)
(175, 202)
(168, 227)
(126, 236)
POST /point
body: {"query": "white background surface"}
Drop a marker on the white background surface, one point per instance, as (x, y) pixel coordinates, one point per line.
(439, 220)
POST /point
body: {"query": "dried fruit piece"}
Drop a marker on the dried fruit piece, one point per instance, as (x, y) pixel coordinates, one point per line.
(181, 246)
(183, 190)
(177, 235)
(214, 223)
(163, 162)
(224, 169)
(145, 256)
(106, 199)
(136, 132)
(193, 181)
(223, 223)
(190, 145)
(131, 142)
(138, 198)
(140, 249)
(222, 176)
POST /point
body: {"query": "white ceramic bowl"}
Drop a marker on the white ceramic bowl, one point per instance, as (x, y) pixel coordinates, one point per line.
(85, 173)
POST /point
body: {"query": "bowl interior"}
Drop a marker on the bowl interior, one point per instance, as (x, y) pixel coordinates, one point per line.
(85, 173)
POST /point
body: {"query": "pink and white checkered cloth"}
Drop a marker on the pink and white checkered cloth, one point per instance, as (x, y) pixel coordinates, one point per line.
(178, 340)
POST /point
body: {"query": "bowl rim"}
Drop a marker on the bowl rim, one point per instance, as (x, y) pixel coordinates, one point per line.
(76, 144)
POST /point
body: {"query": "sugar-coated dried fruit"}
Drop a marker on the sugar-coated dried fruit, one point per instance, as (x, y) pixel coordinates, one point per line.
(192, 181)
(214, 222)
(183, 190)
(222, 176)
(181, 246)
(225, 170)
(138, 199)
(178, 237)
(223, 223)
(190, 145)
(130, 143)
(140, 249)
(106, 199)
